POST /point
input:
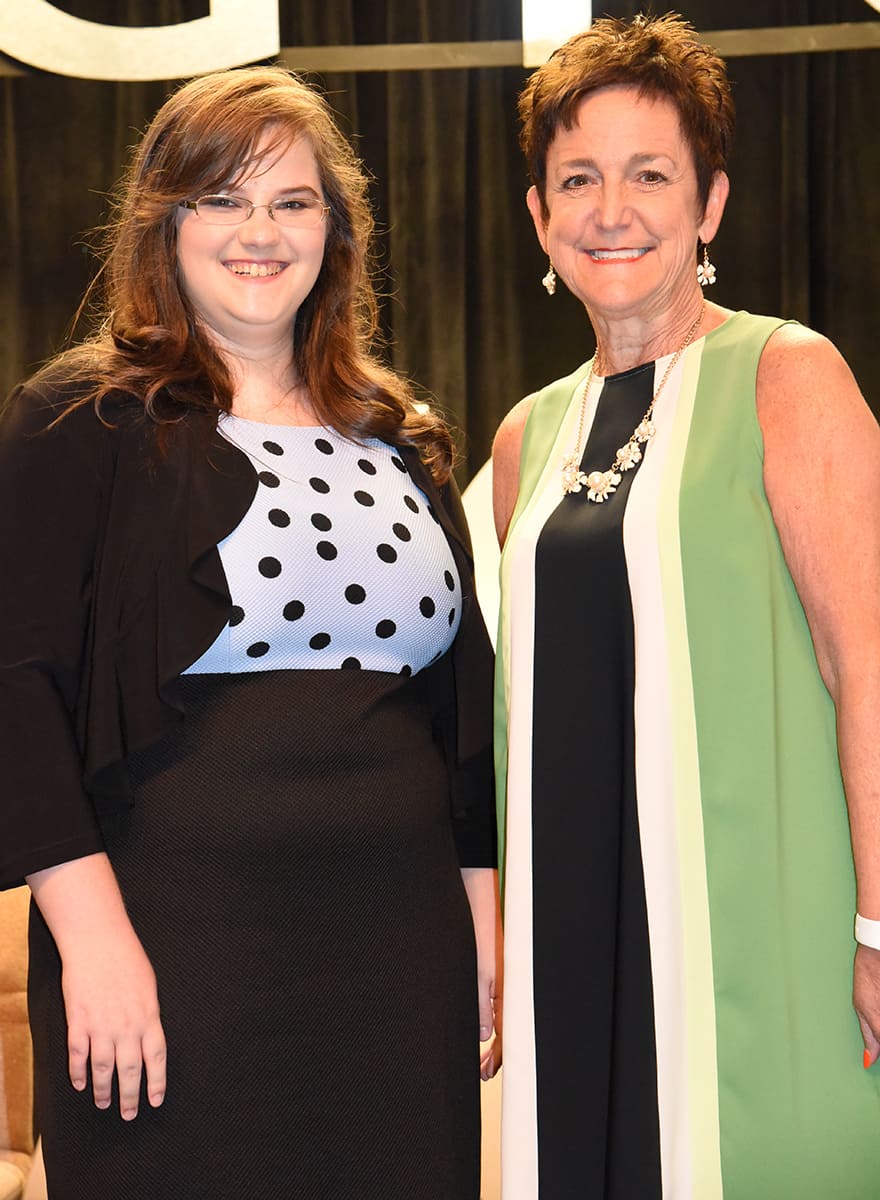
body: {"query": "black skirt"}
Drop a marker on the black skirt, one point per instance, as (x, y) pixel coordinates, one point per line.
(290, 869)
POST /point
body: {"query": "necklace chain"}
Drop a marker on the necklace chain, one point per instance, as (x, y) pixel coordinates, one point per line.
(271, 467)
(600, 485)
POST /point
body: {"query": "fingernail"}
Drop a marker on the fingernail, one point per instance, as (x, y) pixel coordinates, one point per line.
(484, 1033)
(866, 1059)
(157, 1098)
(128, 1114)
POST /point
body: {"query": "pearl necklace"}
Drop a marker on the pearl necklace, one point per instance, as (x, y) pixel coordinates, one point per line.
(602, 484)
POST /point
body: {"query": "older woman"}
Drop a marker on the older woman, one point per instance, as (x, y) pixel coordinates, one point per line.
(690, 680)
(246, 699)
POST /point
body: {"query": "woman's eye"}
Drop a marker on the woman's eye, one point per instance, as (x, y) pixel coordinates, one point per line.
(294, 205)
(573, 182)
(652, 177)
(221, 202)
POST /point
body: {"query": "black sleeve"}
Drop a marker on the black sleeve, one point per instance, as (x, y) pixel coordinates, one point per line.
(50, 502)
(472, 770)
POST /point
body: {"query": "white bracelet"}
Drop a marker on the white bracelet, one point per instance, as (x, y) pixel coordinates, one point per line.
(868, 932)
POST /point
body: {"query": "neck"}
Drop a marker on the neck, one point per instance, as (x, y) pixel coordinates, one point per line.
(626, 342)
(269, 388)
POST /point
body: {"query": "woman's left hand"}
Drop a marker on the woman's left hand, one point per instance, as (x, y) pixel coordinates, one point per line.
(481, 885)
(866, 999)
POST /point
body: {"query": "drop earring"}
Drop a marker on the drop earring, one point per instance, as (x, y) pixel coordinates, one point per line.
(549, 281)
(706, 269)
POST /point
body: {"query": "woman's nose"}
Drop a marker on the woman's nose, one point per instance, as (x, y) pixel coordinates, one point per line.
(260, 226)
(611, 205)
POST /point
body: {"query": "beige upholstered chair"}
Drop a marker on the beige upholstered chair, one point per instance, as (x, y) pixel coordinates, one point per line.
(16, 1086)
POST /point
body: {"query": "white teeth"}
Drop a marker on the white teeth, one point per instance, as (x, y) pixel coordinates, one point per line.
(255, 270)
(617, 254)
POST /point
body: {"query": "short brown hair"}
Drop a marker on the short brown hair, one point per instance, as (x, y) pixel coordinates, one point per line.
(662, 58)
(203, 139)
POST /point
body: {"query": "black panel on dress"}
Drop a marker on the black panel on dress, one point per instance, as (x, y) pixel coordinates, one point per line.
(598, 1129)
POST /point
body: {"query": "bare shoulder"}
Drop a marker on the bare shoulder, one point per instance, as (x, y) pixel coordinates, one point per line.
(802, 375)
(508, 439)
(506, 450)
(821, 447)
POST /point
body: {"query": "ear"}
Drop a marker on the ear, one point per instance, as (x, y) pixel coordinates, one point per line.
(714, 210)
(533, 200)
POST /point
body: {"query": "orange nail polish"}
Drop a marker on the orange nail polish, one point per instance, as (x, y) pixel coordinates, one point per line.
(866, 1059)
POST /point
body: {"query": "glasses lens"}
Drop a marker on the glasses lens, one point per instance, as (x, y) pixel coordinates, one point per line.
(222, 210)
(303, 212)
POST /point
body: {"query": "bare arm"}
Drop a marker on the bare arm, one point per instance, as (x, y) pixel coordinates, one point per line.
(481, 885)
(505, 465)
(109, 987)
(822, 476)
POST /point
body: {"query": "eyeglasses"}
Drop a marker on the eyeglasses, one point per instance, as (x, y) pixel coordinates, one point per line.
(300, 212)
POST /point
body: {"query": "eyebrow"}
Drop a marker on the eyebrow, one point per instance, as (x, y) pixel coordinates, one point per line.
(235, 189)
(635, 160)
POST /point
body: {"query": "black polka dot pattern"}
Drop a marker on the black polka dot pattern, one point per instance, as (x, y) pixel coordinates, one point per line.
(339, 562)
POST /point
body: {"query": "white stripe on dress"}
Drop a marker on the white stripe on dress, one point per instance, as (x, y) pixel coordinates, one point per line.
(668, 797)
(519, 1118)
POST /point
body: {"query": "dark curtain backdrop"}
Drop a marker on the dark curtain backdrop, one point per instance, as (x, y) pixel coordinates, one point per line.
(457, 261)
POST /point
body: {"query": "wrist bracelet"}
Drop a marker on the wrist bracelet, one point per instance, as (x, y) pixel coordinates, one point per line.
(867, 932)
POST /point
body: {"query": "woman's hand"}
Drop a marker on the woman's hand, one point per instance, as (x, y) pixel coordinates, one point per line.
(109, 987)
(866, 999)
(113, 1021)
(481, 885)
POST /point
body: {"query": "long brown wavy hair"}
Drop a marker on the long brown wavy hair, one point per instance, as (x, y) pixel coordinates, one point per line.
(149, 342)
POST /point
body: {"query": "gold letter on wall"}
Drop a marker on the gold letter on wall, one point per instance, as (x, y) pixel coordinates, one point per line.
(236, 32)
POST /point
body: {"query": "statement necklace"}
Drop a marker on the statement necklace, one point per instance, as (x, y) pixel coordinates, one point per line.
(602, 484)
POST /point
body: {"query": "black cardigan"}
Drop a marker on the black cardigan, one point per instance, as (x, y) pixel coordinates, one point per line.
(112, 585)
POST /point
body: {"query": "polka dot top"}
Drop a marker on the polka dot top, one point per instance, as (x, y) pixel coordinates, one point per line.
(339, 562)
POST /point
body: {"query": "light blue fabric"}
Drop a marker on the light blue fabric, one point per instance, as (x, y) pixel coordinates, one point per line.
(339, 562)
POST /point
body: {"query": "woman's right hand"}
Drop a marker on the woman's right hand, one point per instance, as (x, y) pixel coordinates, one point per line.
(112, 1008)
(110, 994)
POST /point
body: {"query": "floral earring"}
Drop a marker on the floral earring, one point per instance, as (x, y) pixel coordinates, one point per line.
(706, 269)
(549, 281)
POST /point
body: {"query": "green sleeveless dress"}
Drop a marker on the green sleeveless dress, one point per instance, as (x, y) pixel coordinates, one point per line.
(679, 888)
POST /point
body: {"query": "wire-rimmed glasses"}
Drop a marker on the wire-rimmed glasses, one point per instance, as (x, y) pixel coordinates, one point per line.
(293, 212)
